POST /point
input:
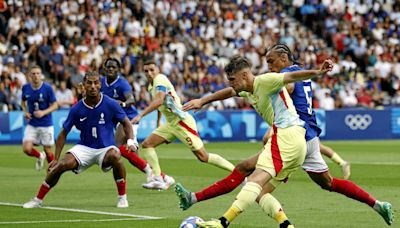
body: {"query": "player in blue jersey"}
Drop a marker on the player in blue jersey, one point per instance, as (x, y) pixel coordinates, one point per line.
(280, 59)
(38, 102)
(118, 88)
(95, 116)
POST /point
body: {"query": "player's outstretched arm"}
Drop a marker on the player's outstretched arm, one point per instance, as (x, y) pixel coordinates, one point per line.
(60, 142)
(130, 143)
(219, 95)
(307, 74)
(157, 102)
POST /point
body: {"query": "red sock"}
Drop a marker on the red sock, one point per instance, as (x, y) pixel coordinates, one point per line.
(221, 187)
(351, 190)
(44, 189)
(121, 185)
(50, 157)
(34, 153)
(133, 158)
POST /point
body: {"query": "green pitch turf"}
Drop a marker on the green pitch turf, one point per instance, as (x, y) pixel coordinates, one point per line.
(375, 167)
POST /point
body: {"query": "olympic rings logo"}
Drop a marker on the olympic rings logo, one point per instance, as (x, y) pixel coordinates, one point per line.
(358, 121)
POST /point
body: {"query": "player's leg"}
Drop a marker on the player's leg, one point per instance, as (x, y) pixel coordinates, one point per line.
(318, 171)
(113, 159)
(69, 162)
(159, 136)
(221, 187)
(31, 138)
(282, 155)
(271, 206)
(186, 132)
(46, 137)
(330, 153)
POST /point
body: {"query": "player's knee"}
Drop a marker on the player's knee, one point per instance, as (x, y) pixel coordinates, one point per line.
(244, 167)
(113, 156)
(201, 156)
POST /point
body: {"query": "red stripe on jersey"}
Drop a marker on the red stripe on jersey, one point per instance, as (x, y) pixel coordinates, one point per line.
(188, 128)
(276, 155)
(283, 97)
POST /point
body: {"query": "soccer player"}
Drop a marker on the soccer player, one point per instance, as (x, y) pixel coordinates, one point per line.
(95, 116)
(38, 102)
(280, 59)
(119, 89)
(179, 124)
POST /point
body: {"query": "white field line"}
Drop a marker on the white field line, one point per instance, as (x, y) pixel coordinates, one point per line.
(69, 221)
(86, 211)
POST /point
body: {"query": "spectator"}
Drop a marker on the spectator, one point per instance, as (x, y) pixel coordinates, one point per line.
(64, 96)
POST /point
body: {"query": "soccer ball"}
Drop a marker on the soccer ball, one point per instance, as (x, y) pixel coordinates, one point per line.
(190, 222)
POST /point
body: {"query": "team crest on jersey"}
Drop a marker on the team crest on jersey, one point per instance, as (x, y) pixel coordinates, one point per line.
(115, 95)
(102, 121)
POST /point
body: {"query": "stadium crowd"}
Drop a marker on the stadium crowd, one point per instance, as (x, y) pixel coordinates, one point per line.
(192, 41)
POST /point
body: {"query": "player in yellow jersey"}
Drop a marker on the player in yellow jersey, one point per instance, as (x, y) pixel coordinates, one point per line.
(286, 150)
(179, 124)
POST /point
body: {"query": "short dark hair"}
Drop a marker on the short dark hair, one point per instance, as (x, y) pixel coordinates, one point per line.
(282, 49)
(90, 73)
(236, 64)
(112, 59)
(149, 62)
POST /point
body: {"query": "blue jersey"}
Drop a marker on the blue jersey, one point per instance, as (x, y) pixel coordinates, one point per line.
(302, 100)
(39, 99)
(117, 91)
(96, 124)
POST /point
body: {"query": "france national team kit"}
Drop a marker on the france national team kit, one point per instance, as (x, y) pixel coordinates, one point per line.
(96, 124)
(302, 100)
(117, 91)
(40, 131)
(39, 99)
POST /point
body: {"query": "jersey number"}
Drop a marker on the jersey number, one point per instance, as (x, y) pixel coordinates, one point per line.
(307, 91)
(94, 132)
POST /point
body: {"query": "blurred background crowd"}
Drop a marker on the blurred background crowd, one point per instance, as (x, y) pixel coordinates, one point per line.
(192, 41)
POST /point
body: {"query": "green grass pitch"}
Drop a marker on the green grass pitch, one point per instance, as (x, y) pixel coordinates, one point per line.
(375, 167)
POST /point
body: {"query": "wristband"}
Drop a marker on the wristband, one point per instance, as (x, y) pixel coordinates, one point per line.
(123, 104)
(130, 142)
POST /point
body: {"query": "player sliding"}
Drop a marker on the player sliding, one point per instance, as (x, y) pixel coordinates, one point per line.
(118, 88)
(38, 102)
(179, 124)
(95, 116)
(270, 204)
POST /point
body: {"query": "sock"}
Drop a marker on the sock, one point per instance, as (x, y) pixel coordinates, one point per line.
(220, 162)
(43, 190)
(221, 187)
(244, 199)
(151, 157)
(34, 153)
(133, 158)
(351, 190)
(49, 157)
(121, 185)
(273, 208)
(337, 159)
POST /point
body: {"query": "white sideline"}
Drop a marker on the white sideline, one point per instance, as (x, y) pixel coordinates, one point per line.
(69, 221)
(86, 211)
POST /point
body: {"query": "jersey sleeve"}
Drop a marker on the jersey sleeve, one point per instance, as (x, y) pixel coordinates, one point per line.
(126, 88)
(160, 84)
(23, 95)
(270, 82)
(118, 112)
(70, 121)
(52, 96)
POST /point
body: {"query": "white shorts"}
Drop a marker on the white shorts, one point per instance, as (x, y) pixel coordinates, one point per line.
(87, 156)
(314, 162)
(39, 135)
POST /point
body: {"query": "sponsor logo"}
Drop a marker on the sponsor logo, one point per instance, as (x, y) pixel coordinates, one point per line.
(358, 121)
